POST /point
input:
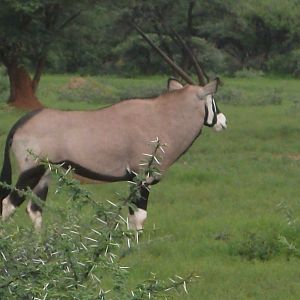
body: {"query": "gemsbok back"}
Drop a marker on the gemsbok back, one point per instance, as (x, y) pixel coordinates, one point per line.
(106, 144)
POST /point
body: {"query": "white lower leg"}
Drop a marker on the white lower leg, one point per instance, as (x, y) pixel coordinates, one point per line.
(7, 208)
(137, 220)
(35, 216)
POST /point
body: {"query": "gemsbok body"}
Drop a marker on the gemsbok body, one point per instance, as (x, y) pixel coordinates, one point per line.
(107, 144)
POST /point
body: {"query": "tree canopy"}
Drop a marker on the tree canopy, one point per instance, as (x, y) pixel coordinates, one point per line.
(27, 30)
(97, 36)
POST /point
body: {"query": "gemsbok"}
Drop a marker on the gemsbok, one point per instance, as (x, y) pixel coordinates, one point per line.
(107, 144)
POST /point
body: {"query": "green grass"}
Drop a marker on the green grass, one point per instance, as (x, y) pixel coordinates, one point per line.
(225, 187)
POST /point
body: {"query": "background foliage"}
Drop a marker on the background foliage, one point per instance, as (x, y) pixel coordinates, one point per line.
(226, 36)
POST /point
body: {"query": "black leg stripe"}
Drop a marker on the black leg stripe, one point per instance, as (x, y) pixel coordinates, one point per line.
(28, 178)
(142, 202)
(86, 173)
(42, 194)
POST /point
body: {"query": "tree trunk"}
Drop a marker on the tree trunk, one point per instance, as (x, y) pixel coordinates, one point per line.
(22, 88)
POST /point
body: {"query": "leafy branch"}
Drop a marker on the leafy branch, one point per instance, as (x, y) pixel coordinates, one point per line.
(80, 258)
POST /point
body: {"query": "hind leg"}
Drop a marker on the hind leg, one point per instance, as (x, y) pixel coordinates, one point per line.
(33, 209)
(27, 179)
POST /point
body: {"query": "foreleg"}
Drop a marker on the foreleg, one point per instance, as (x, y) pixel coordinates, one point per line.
(137, 218)
(34, 210)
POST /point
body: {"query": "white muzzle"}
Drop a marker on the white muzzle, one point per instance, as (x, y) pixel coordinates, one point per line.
(221, 122)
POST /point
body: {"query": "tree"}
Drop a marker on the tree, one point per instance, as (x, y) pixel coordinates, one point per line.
(251, 32)
(233, 34)
(165, 22)
(27, 30)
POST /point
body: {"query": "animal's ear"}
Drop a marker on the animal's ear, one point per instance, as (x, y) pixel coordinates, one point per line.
(174, 85)
(210, 88)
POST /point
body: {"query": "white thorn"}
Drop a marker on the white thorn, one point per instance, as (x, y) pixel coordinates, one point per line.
(90, 239)
(85, 248)
(161, 149)
(155, 141)
(156, 160)
(3, 256)
(132, 182)
(75, 232)
(146, 154)
(102, 221)
(184, 287)
(96, 231)
(113, 204)
(122, 219)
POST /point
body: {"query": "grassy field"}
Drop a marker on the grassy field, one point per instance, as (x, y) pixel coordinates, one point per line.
(223, 208)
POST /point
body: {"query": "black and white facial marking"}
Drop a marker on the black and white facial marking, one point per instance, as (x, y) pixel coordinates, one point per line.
(210, 111)
(213, 117)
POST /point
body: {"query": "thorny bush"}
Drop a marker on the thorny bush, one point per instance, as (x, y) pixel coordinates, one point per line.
(80, 257)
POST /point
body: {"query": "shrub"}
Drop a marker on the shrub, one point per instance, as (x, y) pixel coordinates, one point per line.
(257, 246)
(290, 238)
(248, 73)
(140, 91)
(134, 57)
(88, 90)
(211, 57)
(271, 97)
(79, 258)
(231, 96)
(266, 245)
(239, 97)
(285, 63)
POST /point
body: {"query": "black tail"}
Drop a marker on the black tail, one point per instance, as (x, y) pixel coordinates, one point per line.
(5, 176)
(6, 169)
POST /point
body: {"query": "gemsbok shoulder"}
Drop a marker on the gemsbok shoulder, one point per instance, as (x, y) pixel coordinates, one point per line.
(106, 144)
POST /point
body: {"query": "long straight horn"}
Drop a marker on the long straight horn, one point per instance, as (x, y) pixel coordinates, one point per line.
(176, 68)
(202, 77)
